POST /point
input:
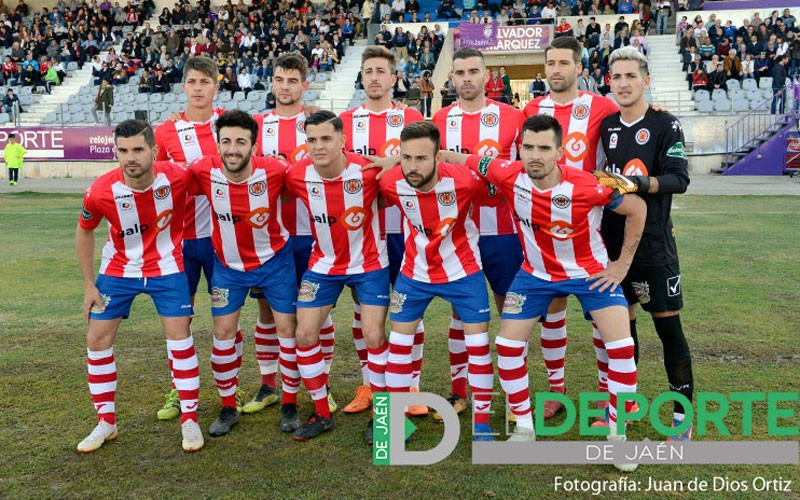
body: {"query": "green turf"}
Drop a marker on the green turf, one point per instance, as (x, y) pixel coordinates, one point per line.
(740, 275)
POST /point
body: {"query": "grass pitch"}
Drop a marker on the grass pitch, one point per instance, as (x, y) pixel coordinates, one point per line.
(740, 274)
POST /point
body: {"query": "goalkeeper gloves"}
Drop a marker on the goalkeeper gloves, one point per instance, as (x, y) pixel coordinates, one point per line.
(623, 184)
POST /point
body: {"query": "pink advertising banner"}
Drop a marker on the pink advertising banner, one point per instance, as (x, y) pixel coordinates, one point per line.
(529, 37)
(63, 143)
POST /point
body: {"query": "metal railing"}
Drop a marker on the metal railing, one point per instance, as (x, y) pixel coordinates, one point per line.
(749, 131)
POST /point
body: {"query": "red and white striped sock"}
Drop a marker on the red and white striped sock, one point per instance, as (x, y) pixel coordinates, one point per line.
(621, 376)
(398, 364)
(185, 375)
(378, 358)
(361, 345)
(602, 360)
(239, 347)
(553, 340)
(327, 337)
(267, 351)
(458, 358)
(416, 355)
(102, 377)
(290, 375)
(312, 370)
(225, 367)
(513, 373)
(481, 375)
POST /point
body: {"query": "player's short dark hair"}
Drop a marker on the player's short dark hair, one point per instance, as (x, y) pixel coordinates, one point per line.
(12, 135)
(467, 52)
(202, 64)
(324, 116)
(239, 119)
(543, 123)
(293, 60)
(566, 42)
(378, 52)
(132, 128)
(420, 130)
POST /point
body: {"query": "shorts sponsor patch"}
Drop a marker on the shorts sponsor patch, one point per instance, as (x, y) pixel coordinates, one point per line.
(106, 300)
(674, 286)
(396, 302)
(642, 290)
(219, 297)
(513, 303)
(308, 291)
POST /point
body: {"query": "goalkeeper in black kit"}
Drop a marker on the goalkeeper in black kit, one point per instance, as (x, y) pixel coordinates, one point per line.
(645, 154)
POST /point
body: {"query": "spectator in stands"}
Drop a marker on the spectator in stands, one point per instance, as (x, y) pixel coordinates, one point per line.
(733, 66)
(592, 33)
(11, 102)
(586, 83)
(229, 82)
(105, 73)
(412, 7)
(794, 56)
(165, 19)
(564, 28)
(104, 101)
(401, 86)
(400, 42)
(9, 69)
(449, 94)
(748, 67)
(507, 83)
(548, 14)
(621, 24)
(580, 30)
(31, 77)
(689, 58)
(427, 61)
(717, 78)
(426, 88)
(120, 75)
(563, 9)
(788, 19)
(762, 66)
(699, 80)
(624, 7)
(706, 49)
(159, 83)
(244, 80)
(494, 86)
(264, 71)
(621, 39)
(447, 10)
(778, 84)
(398, 10)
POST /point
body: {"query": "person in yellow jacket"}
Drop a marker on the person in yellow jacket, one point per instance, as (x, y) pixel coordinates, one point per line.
(12, 154)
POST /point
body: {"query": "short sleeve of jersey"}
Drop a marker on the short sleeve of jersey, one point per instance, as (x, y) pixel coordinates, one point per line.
(162, 138)
(90, 215)
(485, 194)
(494, 170)
(388, 186)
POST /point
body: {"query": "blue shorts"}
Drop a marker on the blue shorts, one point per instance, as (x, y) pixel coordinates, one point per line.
(170, 295)
(198, 256)
(275, 277)
(396, 247)
(502, 258)
(529, 296)
(320, 290)
(468, 296)
(301, 252)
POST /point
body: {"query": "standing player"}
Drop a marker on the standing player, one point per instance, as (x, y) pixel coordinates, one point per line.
(647, 146)
(579, 114)
(249, 245)
(441, 260)
(558, 212)
(374, 129)
(475, 124)
(143, 203)
(348, 250)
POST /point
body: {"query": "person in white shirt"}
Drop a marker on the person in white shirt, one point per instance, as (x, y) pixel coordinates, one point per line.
(549, 12)
(398, 10)
(244, 80)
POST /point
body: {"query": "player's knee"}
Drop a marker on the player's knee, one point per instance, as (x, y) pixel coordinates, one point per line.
(374, 335)
(306, 335)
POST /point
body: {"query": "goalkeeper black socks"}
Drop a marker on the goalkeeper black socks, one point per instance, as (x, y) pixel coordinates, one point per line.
(677, 359)
(635, 342)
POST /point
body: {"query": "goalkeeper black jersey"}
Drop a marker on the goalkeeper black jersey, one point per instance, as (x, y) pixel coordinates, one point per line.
(653, 146)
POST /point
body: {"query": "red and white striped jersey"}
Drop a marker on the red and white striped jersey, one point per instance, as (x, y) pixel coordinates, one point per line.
(286, 137)
(347, 238)
(183, 142)
(559, 228)
(378, 134)
(580, 119)
(493, 131)
(247, 229)
(441, 240)
(143, 241)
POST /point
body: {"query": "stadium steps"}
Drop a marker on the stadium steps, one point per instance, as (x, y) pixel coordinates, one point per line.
(668, 85)
(734, 157)
(341, 88)
(35, 113)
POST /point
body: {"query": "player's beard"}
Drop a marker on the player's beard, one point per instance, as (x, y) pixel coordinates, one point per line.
(475, 92)
(376, 93)
(541, 174)
(286, 101)
(137, 174)
(233, 168)
(562, 86)
(418, 179)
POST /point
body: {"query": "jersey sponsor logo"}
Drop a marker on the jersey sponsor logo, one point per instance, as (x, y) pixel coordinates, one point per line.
(445, 226)
(308, 291)
(187, 137)
(396, 302)
(227, 217)
(642, 290)
(446, 199)
(561, 201)
(490, 119)
(674, 286)
(483, 166)
(219, 297)
(161, 192)
(453, 123)
(488, 147)
(409, 205)
(125, 206)
(642, 136)
(106, 299)
(395, 119)
(299, 153)
(612, 141)
(352, 186)
(258, 217)
(361, 125)
(580, 111)
(162, 220)
(133, 231)
(219, 192)
(677, 151)
(353, 218)
(270, 131)
(576, 146)
(635, 167)
(513, 303)
(316, 192)
(390, 148)
(560, 229)
(258, 188)
(85, 214)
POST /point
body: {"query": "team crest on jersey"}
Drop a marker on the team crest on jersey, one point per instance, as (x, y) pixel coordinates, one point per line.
(301, 126)
(352, 186)
(396, 302)
(106, 299)
(490, 119)
(561, 201)
(162, 192)
(85, 214)
(447, 199)
(258, 188)
(580, 111)
(513, 303)
(219, 297)
(316, 192)
(308, 291)
(642, 290)
(395, 120)
(642, 136)
(612, 141)
(361, 125)
(269, 131)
